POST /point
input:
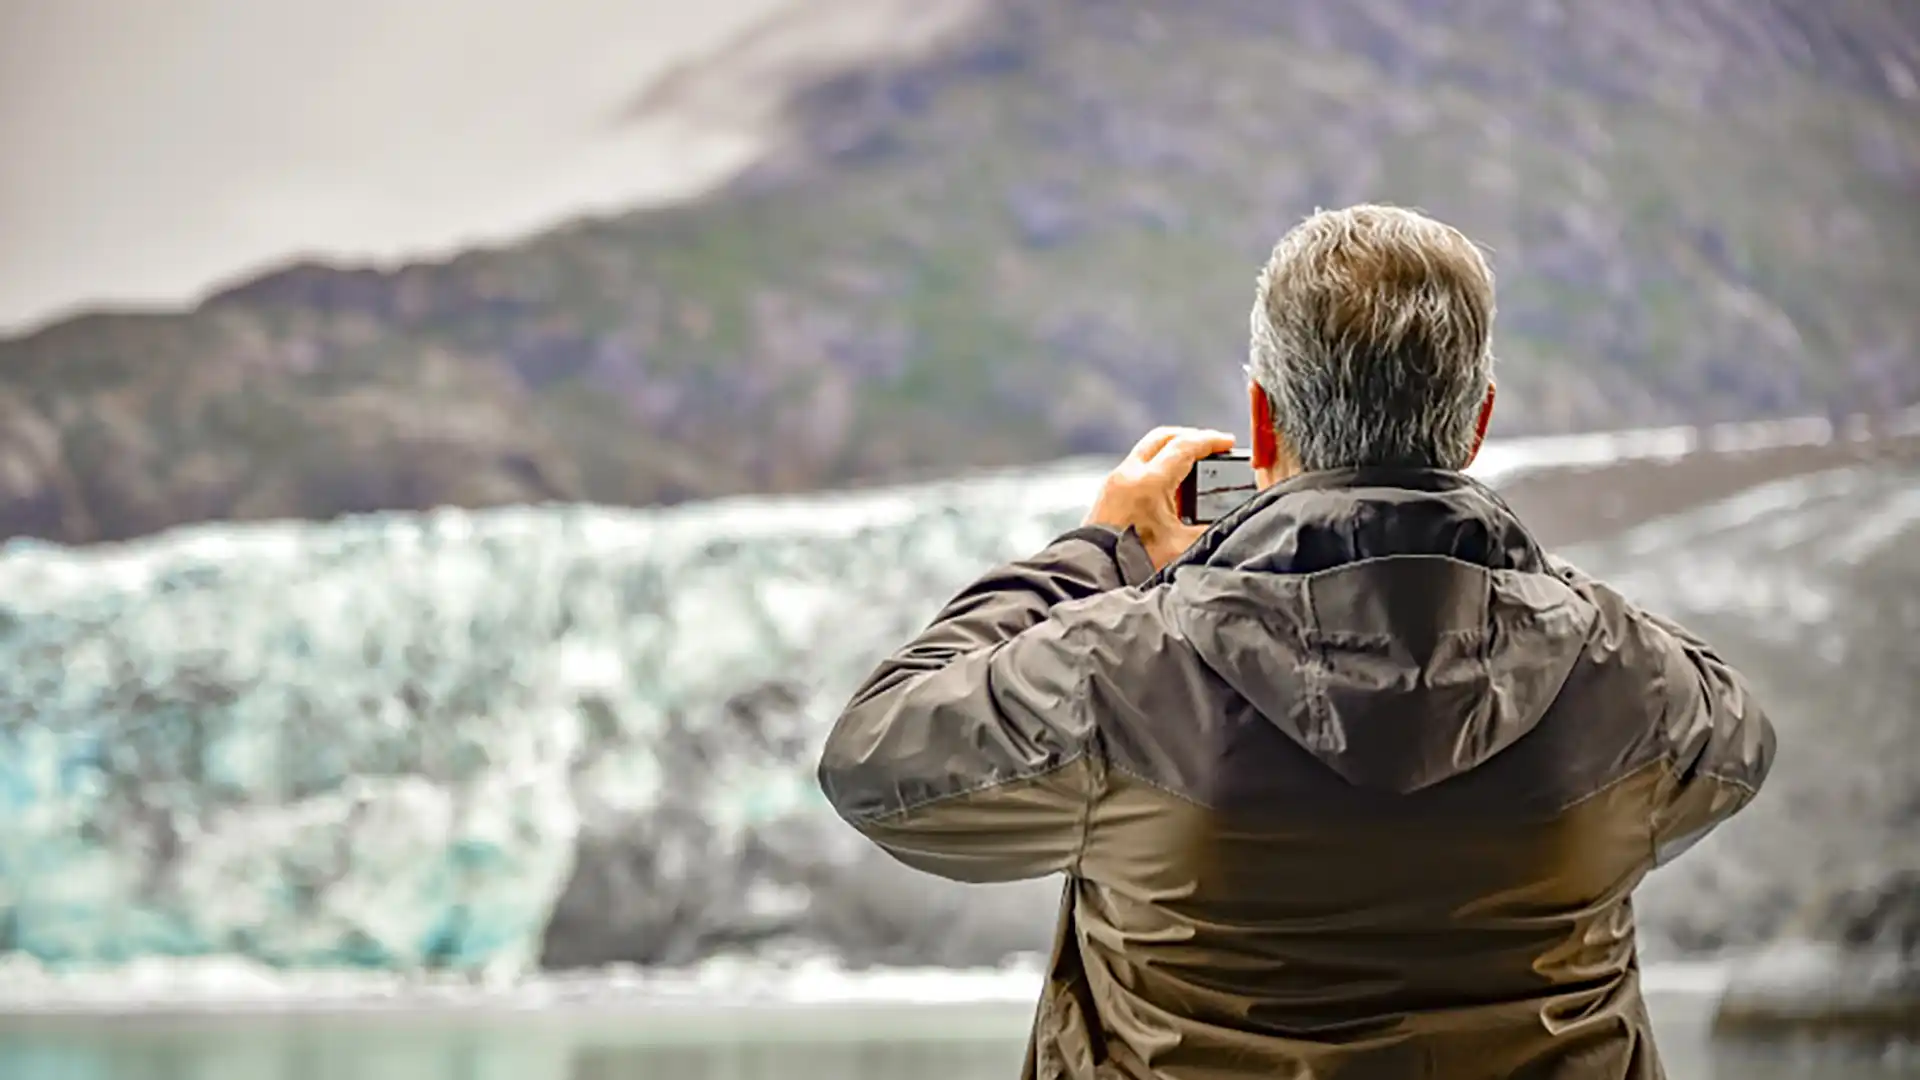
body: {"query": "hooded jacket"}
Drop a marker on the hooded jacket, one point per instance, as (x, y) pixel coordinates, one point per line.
(1358, 787)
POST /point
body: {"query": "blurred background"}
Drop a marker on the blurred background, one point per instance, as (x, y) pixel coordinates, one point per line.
(456, 456)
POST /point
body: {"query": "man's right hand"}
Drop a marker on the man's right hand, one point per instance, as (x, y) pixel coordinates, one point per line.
(1143, 492)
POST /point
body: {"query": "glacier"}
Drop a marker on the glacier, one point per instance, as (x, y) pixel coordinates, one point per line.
(384, 742)
(568, 736)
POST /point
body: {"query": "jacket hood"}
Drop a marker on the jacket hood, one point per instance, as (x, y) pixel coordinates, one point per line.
(1399, 625)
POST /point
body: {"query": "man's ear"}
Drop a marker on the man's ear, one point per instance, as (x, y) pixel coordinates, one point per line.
(1480, 425)
(1266, 443)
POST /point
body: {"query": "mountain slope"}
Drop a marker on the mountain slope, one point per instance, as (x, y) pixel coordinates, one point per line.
(1039, 239)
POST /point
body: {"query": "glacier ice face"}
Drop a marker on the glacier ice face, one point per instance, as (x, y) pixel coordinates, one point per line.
(266, 745)
(382, 742)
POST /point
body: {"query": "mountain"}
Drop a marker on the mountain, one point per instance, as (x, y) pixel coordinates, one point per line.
(1036, 237)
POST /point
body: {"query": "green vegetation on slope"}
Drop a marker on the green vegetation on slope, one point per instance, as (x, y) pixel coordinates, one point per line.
(1039, 242)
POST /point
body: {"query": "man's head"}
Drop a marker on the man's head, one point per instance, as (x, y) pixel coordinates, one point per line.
(1371, 345)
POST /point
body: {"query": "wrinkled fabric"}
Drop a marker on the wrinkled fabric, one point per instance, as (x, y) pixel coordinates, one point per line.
(1360, 786)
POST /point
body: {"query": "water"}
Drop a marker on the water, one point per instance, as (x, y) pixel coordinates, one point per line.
(833, 1042)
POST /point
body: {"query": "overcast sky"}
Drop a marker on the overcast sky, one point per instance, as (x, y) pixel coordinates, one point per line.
(152, 148)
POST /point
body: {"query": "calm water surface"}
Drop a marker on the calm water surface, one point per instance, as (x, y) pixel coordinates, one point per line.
(922, 1042)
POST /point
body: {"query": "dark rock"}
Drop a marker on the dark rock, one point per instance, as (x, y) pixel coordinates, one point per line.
(1801, 989)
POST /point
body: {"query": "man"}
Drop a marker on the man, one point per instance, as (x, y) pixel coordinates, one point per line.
(1356, 783)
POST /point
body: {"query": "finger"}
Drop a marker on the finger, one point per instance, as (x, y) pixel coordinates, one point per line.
(1151, 442)
(1177, 455)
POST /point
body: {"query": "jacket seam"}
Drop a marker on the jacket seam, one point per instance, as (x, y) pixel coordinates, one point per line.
(1560, 808)
(1159, 786)
(1671, 765)
(1313, 673)
(1079, 752)
(1091, 753)
(1485, 641)
(1672, 761)
(1436, 556)
(1606, 787)
(967, 792)
(1112, 543)
(1105, 538)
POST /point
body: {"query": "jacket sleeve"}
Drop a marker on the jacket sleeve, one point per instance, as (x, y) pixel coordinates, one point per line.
(1717, 741)
(1721, 743)
(968, 753)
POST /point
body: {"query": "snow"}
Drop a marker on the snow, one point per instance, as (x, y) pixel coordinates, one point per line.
(1768, 553)
(228, 985)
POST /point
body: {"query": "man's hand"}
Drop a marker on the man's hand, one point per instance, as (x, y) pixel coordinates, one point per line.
(1144, 491)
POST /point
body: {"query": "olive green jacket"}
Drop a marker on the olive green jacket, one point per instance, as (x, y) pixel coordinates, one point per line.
(1359, 787)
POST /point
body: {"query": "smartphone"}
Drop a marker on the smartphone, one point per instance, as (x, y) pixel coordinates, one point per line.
(1215, 486)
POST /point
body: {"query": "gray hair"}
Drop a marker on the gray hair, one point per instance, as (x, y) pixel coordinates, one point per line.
(1372, 338)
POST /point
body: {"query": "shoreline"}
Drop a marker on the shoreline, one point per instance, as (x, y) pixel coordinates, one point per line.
(220, 989)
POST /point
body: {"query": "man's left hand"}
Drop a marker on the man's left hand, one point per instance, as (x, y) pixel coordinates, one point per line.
(1143, 492)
